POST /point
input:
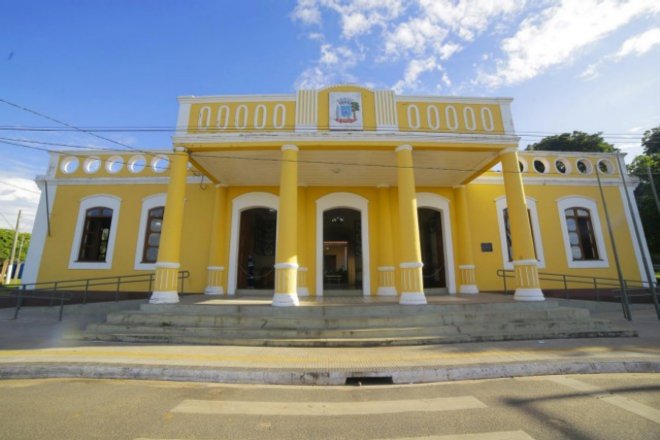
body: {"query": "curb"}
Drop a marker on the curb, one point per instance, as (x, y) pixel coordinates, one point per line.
(319, 377)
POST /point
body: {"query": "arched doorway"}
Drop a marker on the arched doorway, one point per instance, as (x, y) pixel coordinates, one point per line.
(432, 246)
(256, 249)
(350, 208)
(248, 233)
(434, 218)
(342, 252)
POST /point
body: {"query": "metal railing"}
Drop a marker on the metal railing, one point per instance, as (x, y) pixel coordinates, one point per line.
(599, 285)
(62, 291)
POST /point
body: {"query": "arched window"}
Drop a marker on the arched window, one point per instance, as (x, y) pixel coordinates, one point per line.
(96, 233)
(582, 231)
(152, 234)
(581, 234)
(149, 230)
(507, 229)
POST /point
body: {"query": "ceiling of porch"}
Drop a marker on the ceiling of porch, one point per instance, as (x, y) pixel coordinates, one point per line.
(343, 167)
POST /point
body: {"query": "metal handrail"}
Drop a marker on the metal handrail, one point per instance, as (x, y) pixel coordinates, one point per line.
(49, 289)
(566, 279)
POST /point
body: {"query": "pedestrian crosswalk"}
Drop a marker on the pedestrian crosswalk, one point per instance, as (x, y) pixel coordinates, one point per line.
(347, 408)
(327, 408)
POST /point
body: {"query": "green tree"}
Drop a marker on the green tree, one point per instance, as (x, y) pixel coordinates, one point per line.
(6, 241)
(648, 210)
(576, 141)
(651, 141)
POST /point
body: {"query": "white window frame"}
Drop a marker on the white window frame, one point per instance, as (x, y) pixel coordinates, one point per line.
(500, 205)
(106, 201)
(148, 203)
(585, 203)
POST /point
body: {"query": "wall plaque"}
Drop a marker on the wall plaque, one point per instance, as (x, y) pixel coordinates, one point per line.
(345, 111)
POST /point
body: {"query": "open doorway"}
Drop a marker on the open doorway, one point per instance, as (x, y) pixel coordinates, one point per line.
(342, 252)
(432, 246)
(256, 249)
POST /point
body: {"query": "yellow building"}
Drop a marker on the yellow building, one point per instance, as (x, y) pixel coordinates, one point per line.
(337, 191)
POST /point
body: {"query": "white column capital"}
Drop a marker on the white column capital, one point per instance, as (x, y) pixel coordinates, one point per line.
(289, 147)
(403, 148)
(180, 149)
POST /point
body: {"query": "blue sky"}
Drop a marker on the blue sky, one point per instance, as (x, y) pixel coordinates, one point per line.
(569, 64)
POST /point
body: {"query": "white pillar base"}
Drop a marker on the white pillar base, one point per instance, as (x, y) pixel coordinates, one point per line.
(214, 290)
(285, 300)
(303, 291)
(528, 294)
(470, 289)
(164, 297)
(386, 291)
(412, 298)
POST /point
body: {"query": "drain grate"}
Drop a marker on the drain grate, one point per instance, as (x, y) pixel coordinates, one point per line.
(369, 380)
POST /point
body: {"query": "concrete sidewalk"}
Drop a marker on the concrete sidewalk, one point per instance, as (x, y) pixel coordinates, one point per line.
(37, 346)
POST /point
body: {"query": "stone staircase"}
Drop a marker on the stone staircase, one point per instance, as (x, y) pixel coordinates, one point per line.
(349, 325)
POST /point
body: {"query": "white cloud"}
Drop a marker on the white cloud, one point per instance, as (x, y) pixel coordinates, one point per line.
(469, 18)
(307, 11)
(332, 66)
(554, 35)
(413, 71)
(639, 44)
(18, 193)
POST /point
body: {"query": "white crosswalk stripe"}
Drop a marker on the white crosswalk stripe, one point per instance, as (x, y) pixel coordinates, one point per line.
(499, 435)
(327, 408)
(624, 403)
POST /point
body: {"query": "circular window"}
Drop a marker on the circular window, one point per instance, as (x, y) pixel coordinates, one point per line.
(522, 165)
(541, 166)
(92, 165)
(69, 165)
(584, 166)
(160, 163)
(136, 164)
(563, 166)
(114, 164)
(605, 166)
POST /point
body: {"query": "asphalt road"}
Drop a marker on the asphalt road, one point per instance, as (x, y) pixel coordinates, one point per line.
(616, 406)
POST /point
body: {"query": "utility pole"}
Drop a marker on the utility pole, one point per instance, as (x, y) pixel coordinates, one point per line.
(13, 247)
(18, 257)
(655, 193)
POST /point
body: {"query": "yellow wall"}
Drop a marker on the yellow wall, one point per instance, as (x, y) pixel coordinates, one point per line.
(482, 222)
(223, 116)
(427, 121)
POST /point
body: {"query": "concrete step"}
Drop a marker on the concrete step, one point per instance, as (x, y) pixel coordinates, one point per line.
(338, 310)
(157, 338)
(293, 322)
(537, 327)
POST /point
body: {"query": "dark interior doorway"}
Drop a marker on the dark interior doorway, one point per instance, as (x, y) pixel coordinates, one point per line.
(432, 246)
(256, 249)
(342, 250)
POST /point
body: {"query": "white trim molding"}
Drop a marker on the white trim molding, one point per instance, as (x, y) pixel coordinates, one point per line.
(439, 203)
(500, 205)
(106, 201)
(351, 201)
(148, 203)
(238, 205)
(564, 203)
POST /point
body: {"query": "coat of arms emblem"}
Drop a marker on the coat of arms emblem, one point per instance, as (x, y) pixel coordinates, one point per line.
(345, 111)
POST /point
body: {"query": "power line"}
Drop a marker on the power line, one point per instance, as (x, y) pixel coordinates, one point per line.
(91, 133)
(19, 187)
